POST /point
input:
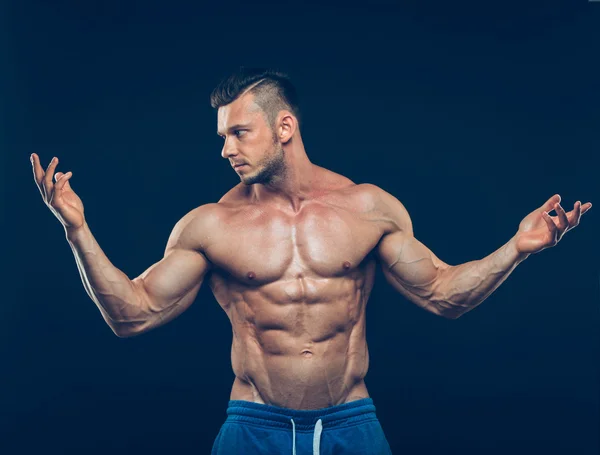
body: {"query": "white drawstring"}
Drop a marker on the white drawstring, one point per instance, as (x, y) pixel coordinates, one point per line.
(316, 437)
(293, 437)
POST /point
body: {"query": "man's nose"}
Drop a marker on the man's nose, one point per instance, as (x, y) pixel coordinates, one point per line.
(228, 150)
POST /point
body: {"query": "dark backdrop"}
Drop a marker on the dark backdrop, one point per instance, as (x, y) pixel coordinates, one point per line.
(473, 115)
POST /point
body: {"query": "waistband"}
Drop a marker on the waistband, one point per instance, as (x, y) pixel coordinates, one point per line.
(275, 416)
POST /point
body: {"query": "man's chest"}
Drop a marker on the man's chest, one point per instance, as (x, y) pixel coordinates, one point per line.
(257, 246)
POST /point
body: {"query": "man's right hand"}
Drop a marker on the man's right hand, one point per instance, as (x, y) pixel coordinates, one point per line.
(59, 196)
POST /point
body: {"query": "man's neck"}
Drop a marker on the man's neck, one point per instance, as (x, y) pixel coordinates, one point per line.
(294, 185)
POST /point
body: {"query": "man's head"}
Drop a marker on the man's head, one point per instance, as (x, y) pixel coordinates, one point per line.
(258, 114)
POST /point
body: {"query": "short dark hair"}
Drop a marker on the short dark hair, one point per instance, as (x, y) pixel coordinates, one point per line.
(273, 93)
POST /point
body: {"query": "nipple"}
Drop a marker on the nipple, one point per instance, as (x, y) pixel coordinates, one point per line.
(251, 275)
(346, 265)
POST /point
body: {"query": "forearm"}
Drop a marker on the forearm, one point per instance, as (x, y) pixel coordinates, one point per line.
(109, 288)
(465, 286)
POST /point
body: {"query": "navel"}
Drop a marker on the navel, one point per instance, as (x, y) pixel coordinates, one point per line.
(306, 353)
(251, 275)
(346, 265)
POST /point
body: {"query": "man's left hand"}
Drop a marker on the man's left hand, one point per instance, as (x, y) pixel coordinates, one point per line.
(539, 230)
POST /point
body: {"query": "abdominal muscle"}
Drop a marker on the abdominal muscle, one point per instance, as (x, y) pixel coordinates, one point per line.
(301, 370)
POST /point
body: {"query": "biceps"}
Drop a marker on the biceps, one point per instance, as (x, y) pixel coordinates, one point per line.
(409, 265)
(171, 285)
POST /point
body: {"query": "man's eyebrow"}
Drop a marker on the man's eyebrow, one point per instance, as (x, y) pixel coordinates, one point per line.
(235, 127)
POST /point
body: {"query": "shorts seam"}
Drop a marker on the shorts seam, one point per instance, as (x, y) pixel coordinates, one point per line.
(288, 430)
(263, 427)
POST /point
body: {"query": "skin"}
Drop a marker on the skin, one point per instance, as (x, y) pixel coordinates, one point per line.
(293, 267)
(290, 254)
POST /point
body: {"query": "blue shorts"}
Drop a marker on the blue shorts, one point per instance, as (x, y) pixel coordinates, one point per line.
(346, 429)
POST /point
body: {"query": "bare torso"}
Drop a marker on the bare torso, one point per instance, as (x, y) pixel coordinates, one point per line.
(295, 288)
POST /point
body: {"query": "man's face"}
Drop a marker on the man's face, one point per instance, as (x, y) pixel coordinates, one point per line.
(249, 140)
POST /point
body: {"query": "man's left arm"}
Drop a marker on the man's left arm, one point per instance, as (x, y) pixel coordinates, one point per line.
(451, 291)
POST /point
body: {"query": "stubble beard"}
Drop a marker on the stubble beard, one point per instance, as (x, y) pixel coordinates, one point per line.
(270, 168)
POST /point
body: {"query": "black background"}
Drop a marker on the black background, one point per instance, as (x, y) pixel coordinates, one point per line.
(472, 114)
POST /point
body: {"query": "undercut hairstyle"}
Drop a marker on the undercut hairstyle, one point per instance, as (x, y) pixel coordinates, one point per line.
(273, 91)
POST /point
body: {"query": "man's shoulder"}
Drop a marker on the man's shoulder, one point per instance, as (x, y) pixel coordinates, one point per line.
(370, 189)
(206, 212)
(367, 194)
(196, 228)
(387, 207)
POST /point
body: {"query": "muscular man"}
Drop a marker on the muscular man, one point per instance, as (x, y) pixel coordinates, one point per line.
(290, 254)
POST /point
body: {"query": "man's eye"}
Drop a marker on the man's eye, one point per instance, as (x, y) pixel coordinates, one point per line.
(238, 131)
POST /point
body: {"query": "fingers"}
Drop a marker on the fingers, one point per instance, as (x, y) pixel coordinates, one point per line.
(62, 181)
(585, 207)
(43, 179)
(550, 203)
(47, 180)
(576, 212)
(563, 221)
(38, 173)
(554, 201)
(551, 226)
(567, 221)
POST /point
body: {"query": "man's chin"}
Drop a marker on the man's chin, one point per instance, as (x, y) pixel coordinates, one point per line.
(248, 179)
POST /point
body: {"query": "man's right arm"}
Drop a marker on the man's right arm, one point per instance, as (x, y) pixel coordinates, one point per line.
(158, 295)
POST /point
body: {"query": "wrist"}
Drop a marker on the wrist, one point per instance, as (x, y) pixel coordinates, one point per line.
(73, 233)
(514, 252)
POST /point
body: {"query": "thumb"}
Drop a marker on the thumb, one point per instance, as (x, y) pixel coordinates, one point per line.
(549, 205)
(57, 176)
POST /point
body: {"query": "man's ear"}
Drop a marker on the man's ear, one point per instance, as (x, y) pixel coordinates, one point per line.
(287, 126)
